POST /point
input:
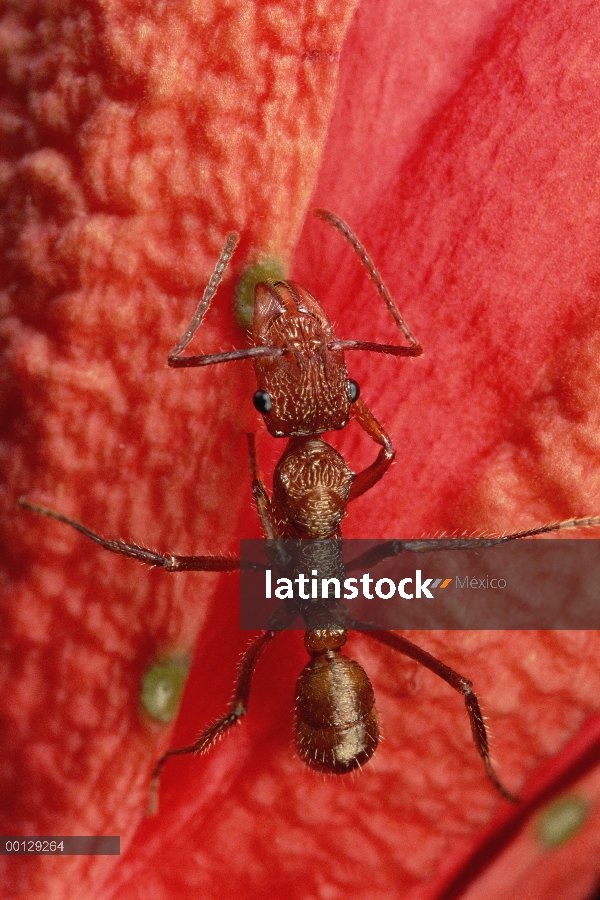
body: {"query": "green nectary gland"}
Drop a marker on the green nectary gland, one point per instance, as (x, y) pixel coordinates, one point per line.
(561, 820)
(269, 269)
(162, 687)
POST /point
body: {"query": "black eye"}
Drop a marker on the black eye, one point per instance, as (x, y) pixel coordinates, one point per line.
(262, 402)
(353, 390)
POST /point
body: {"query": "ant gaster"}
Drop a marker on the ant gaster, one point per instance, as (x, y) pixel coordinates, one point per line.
(304, 390)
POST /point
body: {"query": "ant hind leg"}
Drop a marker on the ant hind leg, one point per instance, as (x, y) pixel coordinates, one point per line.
(460, 684)
(237, 709)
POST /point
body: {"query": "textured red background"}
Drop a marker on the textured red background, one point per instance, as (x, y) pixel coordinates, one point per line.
(463, 151)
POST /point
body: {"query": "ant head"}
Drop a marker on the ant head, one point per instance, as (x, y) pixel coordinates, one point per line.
(305, 390)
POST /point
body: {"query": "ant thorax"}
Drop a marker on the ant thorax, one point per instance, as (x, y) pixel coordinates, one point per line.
(311, 486)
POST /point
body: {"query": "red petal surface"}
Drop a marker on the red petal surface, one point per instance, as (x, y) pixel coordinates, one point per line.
(483, 222)
(135, 137)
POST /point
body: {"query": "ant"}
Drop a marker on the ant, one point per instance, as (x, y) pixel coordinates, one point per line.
(303, 391)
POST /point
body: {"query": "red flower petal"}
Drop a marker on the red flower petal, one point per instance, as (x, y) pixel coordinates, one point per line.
(487, 238)
(466, 237)
(135, 137)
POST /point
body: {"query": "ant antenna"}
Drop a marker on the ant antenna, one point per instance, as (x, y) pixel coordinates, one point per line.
(209, 292)
(369, 265)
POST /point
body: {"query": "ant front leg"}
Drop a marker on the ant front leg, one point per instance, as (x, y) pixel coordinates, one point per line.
(365, 480)
(266, 513)
(460, 684)
(168, 561)
(237, 709)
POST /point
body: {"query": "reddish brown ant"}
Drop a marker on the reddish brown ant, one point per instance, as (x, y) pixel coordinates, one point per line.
(337, 728)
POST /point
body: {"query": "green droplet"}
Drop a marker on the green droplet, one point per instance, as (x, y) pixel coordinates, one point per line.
(561, 820)
(163, 686)
(269, 269)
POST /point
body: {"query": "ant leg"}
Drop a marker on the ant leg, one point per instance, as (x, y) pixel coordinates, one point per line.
(176, 360)
(460, 684)
(590, 522)
(237, 709)
(369, 265)
(388, 549)
(264, 507)
(168, 561)
(365, 480)
(368, 422)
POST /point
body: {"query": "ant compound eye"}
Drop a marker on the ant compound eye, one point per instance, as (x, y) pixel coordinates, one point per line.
(353, 391)
(262, 402)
